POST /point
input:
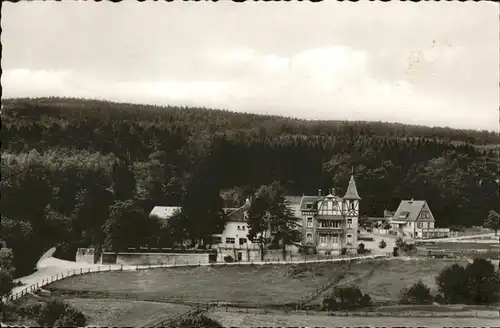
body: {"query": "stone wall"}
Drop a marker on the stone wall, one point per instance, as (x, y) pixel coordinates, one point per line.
(154, 258)
(86, 255)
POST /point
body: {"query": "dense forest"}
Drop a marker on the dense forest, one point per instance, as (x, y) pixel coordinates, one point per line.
(72, 166)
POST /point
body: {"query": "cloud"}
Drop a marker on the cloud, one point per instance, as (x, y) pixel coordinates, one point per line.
(325, 60)
(321, 83)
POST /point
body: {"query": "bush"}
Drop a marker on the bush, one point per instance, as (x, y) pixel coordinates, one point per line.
(419, 293)
(57, 313)
(395, 251)
(382, 244)
(228, 259)
(346, 298)
(72, 318)
(198, 320)
(361, 249)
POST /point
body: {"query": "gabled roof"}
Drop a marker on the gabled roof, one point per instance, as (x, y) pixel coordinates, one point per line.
(308, 200)
(164, 212)
(239, 214)
(409, 210)
(352, 191)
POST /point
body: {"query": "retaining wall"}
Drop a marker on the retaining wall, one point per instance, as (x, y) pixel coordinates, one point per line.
(153, 258)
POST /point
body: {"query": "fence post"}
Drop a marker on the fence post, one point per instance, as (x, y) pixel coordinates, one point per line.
(121, 267)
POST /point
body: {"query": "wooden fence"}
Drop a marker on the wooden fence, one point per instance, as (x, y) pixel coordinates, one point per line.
(107, 268)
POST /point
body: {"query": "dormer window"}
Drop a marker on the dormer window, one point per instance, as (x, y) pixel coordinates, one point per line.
(404, 215)
(309, 205)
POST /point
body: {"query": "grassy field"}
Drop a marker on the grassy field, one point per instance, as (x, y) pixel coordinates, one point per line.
(255, 285)
(230, 319)
(390, 277)
(252, 285)
(123, 313)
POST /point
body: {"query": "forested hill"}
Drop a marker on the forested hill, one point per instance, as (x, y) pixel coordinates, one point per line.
(203, 120)
(66, 161)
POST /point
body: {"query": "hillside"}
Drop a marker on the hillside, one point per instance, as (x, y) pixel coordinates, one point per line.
(65, 162)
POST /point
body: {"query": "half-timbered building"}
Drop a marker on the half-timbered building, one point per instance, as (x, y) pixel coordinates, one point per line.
(330, 222)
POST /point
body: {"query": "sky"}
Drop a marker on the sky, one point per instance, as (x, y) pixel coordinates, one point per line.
(428, 63)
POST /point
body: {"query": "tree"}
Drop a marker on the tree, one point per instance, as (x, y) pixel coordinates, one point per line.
(452, 284)
(272, 212)
(91, 212)
(418, 293)
(6, 274)
(127, 226)
(258, 222)
(202, 213)
(492, 221)
(382, 244)
(483, 282)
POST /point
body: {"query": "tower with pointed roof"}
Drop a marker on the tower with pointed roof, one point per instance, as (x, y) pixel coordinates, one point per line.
(350, 203)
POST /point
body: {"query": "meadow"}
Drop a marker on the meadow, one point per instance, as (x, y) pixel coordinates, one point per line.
(267, 285)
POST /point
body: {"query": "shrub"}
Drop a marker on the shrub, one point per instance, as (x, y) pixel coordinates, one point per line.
(395, 251)
(198, 320)
(382, 244)
(228, 259)
(56, 313)
(399, 242)
(346, 298)
(419, 293)
(71, 318)
(361, 249)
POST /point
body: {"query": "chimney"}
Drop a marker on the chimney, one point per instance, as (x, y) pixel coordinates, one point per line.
(333, 191)
(411, 201)
(319, 192)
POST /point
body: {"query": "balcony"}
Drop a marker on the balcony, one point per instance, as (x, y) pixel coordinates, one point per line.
(331, 228)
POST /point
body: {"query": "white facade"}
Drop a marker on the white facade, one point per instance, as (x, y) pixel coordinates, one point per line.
(235, 234)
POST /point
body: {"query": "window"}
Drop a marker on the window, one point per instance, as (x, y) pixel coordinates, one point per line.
(238, 227)
(335, 239)
(243, 228)
(352, 205)
(309, 205)
(349, 239)
(309, 222)
(419, 225)
(322, 239)
(216, 240)
(309, 237)
(243, 241)
(330, 224)
(229, 240)
(349, 223)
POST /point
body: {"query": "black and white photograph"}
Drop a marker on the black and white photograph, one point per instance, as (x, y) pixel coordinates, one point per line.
(250, 164)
